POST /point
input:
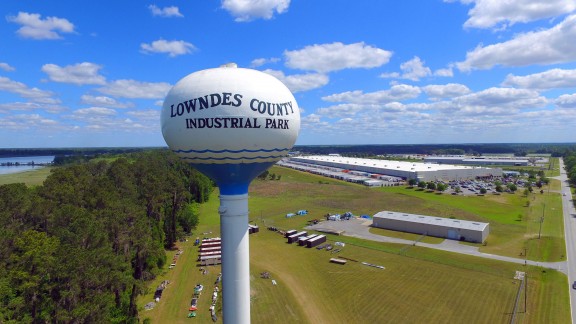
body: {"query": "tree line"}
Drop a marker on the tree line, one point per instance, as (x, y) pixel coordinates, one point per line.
(81, 247)
(570, 165)
(518, 149)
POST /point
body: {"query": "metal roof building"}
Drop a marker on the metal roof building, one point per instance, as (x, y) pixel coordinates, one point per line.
(476, 160)
(454, 229)
(406, 170)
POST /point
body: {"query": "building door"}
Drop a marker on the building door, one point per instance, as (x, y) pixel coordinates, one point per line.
(452, 234)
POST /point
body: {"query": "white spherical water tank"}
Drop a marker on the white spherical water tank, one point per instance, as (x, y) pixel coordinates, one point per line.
(231, 123)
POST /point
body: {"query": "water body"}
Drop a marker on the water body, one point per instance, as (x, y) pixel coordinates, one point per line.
(23, 161)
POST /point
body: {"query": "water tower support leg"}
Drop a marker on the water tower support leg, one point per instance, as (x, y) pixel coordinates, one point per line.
(235, 258)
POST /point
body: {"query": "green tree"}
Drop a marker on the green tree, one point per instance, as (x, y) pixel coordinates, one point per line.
(188, 216)
(263, 175)
(30, 270)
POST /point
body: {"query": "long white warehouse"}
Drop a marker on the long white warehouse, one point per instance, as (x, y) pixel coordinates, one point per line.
(407, 170)
(454, 229)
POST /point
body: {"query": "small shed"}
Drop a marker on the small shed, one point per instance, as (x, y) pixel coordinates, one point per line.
(294, 237)
(302, 240)
(253, 229)
(316, 241)
(290, 232)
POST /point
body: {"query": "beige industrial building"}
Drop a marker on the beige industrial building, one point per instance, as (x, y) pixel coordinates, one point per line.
(406, 170)
(453, 229)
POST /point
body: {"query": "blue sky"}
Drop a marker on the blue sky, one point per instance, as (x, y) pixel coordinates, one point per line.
(95, 73)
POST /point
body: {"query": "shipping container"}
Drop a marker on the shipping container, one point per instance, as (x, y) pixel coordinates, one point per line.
(294, 237)
(316, 241)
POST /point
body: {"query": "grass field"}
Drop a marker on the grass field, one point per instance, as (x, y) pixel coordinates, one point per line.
(418, 285)
(514, 219)
(30, 178)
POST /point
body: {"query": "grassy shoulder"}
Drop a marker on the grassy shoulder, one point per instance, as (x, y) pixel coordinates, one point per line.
(514, 219)
(30, 178)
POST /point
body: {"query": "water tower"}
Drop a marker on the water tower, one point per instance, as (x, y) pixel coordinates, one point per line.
(231, 124)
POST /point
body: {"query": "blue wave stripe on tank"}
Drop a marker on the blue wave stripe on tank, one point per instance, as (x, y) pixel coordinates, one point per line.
(231, 158)
(232, 151)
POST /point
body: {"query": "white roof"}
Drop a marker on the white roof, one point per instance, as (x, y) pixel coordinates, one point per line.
(433, 220)
(476, 159)
(386, 164)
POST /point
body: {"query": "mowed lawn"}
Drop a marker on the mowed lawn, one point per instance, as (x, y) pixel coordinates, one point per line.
(418, 285)
(514, 218)
(422, 285)
(30, 178)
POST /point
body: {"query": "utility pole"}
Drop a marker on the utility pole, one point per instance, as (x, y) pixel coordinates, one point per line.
(525, 256)
(541, 220)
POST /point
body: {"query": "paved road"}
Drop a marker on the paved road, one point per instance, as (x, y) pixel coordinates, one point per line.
(570, 235)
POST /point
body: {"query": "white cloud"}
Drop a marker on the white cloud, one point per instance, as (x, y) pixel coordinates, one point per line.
(341, 110)
(34, 27)
(173, 48)
(103, 101)
(551, 79)
(95, 111)
(79, 74)
(165, 12)
(30, 106)
(548, 46)
(248, 10)
(135, 89)
(36, 122)
(411, 70)
(566, 101)
(397, 92)
(261, 61)
(414, 69)
(24, 91)
(6, 67)
(300, 82)
(500, 14)
(502, 98)
(149, 116)
(391, 75)
(450, 90)
(325, 58)
(99, 119)
(444, 72)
